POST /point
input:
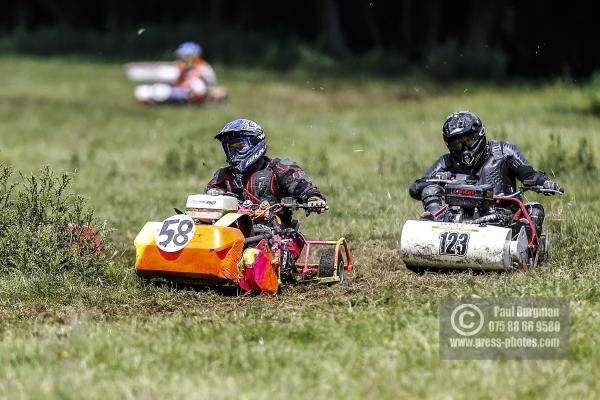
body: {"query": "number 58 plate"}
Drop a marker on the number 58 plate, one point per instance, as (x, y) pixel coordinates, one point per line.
(175, 233)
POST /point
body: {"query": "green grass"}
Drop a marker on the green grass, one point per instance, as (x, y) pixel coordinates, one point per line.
(363, 142)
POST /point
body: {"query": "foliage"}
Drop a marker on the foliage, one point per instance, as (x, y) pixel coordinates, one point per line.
(452, 61)
(578, 161)
(239, 33)
(594, 93)
(41, 229)
(252, 49)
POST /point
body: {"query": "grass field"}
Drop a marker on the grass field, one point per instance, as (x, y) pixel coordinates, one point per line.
(363, 141)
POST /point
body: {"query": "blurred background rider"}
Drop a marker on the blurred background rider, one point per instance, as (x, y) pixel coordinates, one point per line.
(196, 74)
(196, 82)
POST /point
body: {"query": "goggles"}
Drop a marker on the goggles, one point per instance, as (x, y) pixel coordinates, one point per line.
(238, 146)
(458, 143)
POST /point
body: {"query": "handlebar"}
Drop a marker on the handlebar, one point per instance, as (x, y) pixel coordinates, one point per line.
(304, 206)
(531, 184)
(265, 209)
(444, 181)
(292, 204)
(540, 189)
(528, 185)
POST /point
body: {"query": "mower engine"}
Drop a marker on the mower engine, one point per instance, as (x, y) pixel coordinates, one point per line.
(469, 196)
(206, 208)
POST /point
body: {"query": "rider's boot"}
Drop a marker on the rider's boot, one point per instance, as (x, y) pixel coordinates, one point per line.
(537, 214)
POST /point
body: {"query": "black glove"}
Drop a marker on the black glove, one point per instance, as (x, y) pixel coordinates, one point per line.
(552, 186)
(319, 204)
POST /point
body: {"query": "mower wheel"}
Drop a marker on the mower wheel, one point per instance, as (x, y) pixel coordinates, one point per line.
(544, 247)
(417, 270)
(327, 265)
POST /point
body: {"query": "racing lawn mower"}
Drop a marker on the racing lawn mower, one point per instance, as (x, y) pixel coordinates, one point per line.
(159, 85)
(219, 242)
(475, 230)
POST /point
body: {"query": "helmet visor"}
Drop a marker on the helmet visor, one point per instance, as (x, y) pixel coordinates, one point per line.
(238, 146)
(458, 143)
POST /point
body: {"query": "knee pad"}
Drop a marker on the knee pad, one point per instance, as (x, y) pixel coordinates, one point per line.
(537, 214)
(432, 197)
(432, 190)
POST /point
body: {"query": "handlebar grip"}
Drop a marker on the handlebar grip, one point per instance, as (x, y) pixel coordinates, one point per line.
(307, 207)
(293, 205)
(551, 191)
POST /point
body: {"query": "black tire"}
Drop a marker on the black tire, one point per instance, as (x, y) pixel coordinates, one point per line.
(544, 247)
(287, 266)
(417, 270)
(327, 267)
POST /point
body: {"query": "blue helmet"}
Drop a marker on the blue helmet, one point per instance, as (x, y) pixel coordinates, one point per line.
(464, 135)
(244, 143)
(188, 49)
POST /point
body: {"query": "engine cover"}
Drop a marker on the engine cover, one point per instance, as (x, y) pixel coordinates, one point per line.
(469, 196)
(206, 208)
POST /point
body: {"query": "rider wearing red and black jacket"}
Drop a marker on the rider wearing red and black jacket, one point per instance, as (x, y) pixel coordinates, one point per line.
(251, 175)
(494, 162)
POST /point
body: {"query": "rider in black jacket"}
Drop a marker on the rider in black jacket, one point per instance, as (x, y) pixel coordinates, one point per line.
(495, 162)
(251, 175)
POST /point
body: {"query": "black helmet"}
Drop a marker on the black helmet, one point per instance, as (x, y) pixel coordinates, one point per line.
(244, 143)
(464, 135)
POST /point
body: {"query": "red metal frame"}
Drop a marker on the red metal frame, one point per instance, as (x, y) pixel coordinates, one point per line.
(306, 267)
(522, 209)
(534, 242)
(440, 210)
